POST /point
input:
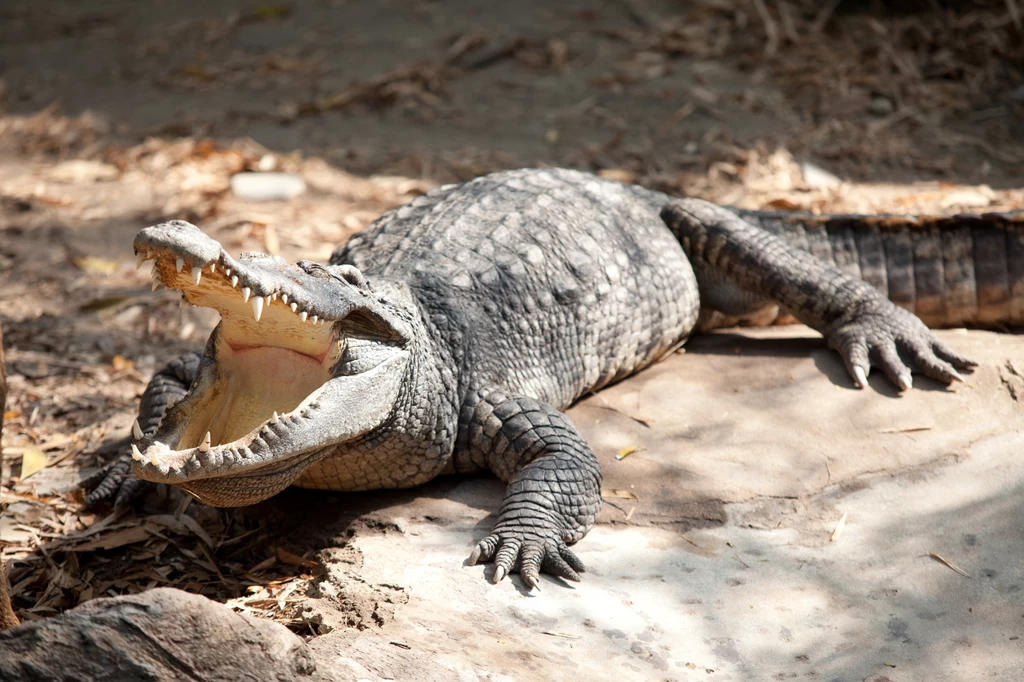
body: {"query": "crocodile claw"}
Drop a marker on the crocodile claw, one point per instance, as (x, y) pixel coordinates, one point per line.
(114, 485)
(528, 554)
(883, 335)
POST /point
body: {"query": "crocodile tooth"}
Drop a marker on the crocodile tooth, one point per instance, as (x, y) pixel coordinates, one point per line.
(273, 297)
(140, 258)
(136, 430)
(156, 284)
(213, 267)
(284, 299)
(227, 272)
(257, 307)
(205, 445)
(156, 270)
(246, 293)
(314, 318)
(275, 418)
(136, 455)
(154, 460)
(197, 275)
(303, 315)
(234, 281)
(293, 305)
(179, 263)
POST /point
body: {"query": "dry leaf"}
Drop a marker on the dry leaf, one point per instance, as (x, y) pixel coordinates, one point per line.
(272, 11)
(618, 174)
(104, 266)
(119, 363)
(194, 526)
(949, 564)
(294, 559)
(263, 565)
(82, 171)
(196, 71)
(62, 578)
(839, 528)
(627, 451)
(783, 204)
(126, 536)
(32, 461)
(10, 533)
(907, 429)
(270, 240)
(614, 492)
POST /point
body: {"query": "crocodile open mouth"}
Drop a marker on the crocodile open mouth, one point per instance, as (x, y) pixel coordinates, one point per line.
(272, 360)
(276, 358)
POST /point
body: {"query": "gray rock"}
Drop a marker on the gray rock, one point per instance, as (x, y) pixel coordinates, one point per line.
(817, 177)
(267, 186)
(162, 634)
(881, 106)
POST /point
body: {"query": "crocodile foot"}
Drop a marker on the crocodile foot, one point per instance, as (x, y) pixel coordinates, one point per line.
(528, 550)
(877, 333)
(115, 484)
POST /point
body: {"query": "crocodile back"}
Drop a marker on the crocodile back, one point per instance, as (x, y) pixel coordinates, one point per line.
(548, 283)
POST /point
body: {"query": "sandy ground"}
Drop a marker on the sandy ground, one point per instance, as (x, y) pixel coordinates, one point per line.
(713, 557)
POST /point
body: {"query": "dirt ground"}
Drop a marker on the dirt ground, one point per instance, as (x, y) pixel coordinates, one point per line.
(116, 115)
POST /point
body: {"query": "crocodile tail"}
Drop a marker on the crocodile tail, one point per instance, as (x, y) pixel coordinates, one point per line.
(950, 271)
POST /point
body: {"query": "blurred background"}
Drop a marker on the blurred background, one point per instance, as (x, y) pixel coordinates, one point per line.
(116, 114)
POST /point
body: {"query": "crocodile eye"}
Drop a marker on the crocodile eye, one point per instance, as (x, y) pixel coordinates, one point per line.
(314, 269)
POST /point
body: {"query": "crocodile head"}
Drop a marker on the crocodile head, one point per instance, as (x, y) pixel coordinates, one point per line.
(306, 357)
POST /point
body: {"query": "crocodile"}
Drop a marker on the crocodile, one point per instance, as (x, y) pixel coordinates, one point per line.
(449, 335)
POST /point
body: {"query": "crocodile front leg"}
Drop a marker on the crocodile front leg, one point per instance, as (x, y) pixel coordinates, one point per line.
(554, 485)
(115, 482)
(856, 319)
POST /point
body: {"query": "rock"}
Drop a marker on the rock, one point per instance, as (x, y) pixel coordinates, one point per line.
(881, 106)
(267, 186)
(162, 634)
(817, 177)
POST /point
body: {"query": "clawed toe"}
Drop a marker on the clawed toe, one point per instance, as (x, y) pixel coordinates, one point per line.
(528, 557)
(896, 343)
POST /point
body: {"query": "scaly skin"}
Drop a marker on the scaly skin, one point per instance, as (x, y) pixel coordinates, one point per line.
(469, 319)
(950, 271)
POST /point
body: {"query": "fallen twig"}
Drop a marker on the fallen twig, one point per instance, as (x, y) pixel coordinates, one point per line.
(771, 31)
(949, 564)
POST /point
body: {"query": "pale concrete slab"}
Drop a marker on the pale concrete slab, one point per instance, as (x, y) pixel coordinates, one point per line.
(722, 568)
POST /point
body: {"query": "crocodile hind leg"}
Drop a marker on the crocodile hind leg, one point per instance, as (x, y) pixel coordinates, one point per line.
(554, 485)
(856, 319)
(116, 483)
